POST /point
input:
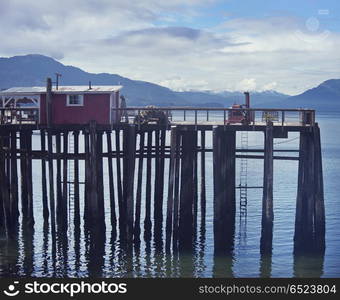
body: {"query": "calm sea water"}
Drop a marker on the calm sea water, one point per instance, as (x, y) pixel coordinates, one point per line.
(75, 256)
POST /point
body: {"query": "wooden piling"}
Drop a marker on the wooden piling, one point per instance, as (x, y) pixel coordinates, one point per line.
(43, 176)
(58, 178)
(4, 192)
(50, 162)
(93, 183)
(186, 229)
(100, 179)
(14, 178)
(119, 180)
(64, 204)
(129, 144)
(224, 189)
(147, 220)
(30, 219)
(23, 174)
(139, 188)
(87, 177)
(176, 189)
(195, 191)
(310, 214)
(170, 206)
(203, 190)
(157, 205)
(267, 199)
(111, 183)
(319, 211)
(76, 181)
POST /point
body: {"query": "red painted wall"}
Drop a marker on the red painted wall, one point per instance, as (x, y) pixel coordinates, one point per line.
(96, 107)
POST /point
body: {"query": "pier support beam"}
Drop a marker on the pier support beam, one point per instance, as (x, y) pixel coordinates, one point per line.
(224, 189)
(310, 212)
(186, 217)
(129, 144)
(267, 198)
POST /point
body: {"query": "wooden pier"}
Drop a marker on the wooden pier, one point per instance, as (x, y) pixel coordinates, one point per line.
(137, 153)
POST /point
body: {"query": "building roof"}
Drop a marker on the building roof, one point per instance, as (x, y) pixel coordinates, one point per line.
(83, 89)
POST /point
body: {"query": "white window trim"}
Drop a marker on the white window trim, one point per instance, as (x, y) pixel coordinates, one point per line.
(68, 100)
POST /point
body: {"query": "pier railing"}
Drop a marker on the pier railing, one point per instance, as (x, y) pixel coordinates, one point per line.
(221, 116)
(19, 116)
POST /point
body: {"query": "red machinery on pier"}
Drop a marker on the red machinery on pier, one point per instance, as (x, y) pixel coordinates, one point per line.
(239, 113)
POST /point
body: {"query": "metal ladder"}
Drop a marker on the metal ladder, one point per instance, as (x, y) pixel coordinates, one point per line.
(70, 178)
(243, 188)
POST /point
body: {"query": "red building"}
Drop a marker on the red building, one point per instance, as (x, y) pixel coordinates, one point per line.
(70, 104)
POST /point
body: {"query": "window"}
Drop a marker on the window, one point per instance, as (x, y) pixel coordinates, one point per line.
(75, 100)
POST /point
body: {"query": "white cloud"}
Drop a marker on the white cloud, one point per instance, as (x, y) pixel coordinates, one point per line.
(124, 37)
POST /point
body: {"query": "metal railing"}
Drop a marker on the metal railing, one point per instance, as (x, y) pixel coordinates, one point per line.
(19, 116)
(223, 116)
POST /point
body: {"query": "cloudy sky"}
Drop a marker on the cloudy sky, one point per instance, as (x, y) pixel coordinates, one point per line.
(258, 45)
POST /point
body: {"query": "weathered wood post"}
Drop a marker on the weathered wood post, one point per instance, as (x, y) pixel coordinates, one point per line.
(139, 187)
(5, 220)
(267, 199)
(14, 178)
(119, 180)
(50, 158)
(23, 174)
(129, 144)
(319, 208)
(310, 212)
(76, 180)
(94, 208)
(43, 176)
(147, 220)
(224, 189)
(111, 183)
(100, 179)
(176, 190)
(87, 177)
(29, 180)
(170, 206)
(157, 204)
(186, 218)
(64, 203)
(203, 190)
(58, 178)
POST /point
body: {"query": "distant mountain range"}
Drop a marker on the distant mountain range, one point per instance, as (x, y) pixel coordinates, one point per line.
(32, 70)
